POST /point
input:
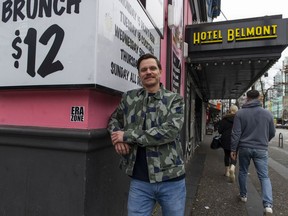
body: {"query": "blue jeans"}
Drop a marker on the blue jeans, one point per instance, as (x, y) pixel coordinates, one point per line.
(260, 159)
(170, 195)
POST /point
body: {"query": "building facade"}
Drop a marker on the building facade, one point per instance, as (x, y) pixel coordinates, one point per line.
(64, 66)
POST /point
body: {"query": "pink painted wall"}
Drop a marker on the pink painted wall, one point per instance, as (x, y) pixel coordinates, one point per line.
(52, 108)
(187, 13)
(100, 108)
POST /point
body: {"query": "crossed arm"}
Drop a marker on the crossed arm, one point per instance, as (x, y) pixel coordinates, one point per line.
(168, 130)
(121, 147)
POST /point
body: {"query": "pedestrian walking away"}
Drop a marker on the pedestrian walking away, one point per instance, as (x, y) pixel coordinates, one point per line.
(225, 129)
(145, 131)
(253, 128)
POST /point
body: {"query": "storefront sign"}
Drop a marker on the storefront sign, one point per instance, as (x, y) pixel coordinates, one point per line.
(125, 33)
(74, 42)
(255, 32)
(236, 34)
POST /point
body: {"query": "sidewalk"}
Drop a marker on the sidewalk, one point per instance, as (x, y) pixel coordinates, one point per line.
(209, 193)
(208, 190)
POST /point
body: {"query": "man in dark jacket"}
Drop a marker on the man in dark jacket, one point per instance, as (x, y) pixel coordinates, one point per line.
(253, 128)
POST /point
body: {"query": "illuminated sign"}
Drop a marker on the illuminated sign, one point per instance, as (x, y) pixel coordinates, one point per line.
(247, 33)
(236, 34)
(252, 33)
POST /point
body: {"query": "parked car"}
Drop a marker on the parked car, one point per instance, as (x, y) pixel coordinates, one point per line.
(284, 126)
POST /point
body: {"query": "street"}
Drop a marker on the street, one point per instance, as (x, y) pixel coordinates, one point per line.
(211, 194)
(278, 154)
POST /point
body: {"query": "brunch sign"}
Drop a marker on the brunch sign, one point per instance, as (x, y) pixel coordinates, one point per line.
(29, 39)
(74, 42)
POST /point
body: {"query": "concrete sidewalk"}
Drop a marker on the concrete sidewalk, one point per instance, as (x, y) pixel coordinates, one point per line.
(209, 193)
(208, 190)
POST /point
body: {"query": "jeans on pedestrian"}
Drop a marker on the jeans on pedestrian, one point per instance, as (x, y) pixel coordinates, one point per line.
(260, 159)
(171, 195)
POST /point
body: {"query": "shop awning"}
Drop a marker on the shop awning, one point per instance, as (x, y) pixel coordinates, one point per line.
(226, 58)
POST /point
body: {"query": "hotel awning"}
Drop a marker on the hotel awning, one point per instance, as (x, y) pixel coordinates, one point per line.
(226, 58)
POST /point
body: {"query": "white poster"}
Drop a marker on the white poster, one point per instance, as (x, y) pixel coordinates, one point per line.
(73, 42)
(125, 33)
(47, 42)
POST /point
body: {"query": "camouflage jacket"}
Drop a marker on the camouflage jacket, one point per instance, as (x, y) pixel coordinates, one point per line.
(164, 119)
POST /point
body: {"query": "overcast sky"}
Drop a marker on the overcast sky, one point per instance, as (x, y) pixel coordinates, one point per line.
(235, 9)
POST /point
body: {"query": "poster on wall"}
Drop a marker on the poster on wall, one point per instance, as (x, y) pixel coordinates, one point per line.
(177, 39)
(46, 43)
(124, 24)
(176, 72)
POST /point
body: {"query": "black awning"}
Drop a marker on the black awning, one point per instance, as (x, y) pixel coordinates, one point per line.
(226, 58)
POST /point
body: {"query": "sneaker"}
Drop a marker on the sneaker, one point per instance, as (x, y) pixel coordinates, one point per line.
(268, 210)
(231, 176)
(226, 171)
(243, 199)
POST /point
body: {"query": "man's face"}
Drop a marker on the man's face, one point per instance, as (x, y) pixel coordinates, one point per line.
(149, 73)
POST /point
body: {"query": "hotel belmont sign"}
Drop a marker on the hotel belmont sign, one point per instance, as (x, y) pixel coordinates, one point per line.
(255, 32)
(236, 34)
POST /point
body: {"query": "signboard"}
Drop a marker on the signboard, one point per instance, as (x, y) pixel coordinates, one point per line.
(124, 34)
(73, 42)
(255, 32)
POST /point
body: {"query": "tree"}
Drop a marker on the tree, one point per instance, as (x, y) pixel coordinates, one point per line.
(264, 91)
